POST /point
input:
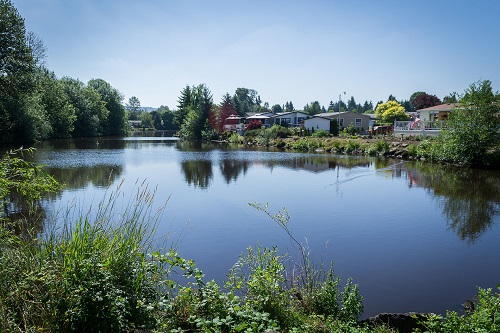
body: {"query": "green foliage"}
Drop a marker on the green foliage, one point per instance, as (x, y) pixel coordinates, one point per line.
(485, 317)
(473, 129)
(22, 184)
(391, 111)
(305, 144)
(196, 105)
(209, 133)
(321, 133)
(17, 68)
(334, 127)
(236, 138)
(246, 101)
(351, 146)
(90, 110)
(93, 276)
(133, 108)
(116, 123)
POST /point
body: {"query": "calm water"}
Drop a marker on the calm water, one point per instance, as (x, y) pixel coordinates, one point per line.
(415, 237)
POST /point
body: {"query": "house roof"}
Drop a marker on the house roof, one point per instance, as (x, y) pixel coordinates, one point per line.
(290, 112)
(330, 115)
(258, 116)
(442, 107)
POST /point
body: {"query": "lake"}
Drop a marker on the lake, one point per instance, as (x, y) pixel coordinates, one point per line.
(414, 236)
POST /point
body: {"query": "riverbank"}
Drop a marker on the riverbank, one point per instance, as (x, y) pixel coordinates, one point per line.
(384, 145)
(425, 149)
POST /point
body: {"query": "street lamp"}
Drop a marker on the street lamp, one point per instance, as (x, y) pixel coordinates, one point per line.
(340, 99)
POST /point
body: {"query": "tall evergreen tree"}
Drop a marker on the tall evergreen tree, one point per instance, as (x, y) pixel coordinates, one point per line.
(197, 113)
(184, 102)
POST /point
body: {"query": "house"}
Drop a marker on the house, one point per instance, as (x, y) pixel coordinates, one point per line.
(293, 118)
(360, 121)
(438, 112)
(134, 123)
(265, 118)
(428, 122)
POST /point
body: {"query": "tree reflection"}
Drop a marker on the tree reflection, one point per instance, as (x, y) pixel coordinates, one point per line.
(197, 173)
(80, 177)
(470, 198)
(232, 168)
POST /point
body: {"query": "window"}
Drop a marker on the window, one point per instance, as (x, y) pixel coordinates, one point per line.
(285, 121)
(357, 122)
(341, 122)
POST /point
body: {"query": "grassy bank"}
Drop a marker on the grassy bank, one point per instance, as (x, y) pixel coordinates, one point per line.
(424, 148)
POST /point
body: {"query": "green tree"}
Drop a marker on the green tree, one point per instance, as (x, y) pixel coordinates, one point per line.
(133, 107)
(22, 185)
(55, 105)
(474, 127)
(276, 108)
(246, 101)
(16, 76)
(184, 102)
(313, 108)
(451, 98)
(197, 113)
(391, 111)
(37, 47)
(116, 123)
(146, 119)
(367, 106)
(289, 107)
(166, 119)
(90, 111)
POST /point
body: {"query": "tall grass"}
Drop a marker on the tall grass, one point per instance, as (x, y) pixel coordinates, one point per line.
(92, 275)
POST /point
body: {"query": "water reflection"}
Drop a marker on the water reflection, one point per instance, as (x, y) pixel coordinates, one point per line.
(231, 169)
(469, 198)
(197, 173)
(80, 177)
(198, 170)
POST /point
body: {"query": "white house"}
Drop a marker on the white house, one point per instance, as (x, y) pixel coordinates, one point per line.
(440, 112)
(317, 122)
(322, 120)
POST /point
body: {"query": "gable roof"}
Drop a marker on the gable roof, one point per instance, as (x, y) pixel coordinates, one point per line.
(442, 107)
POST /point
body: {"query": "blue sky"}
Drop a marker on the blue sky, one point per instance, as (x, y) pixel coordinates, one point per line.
(299, 51)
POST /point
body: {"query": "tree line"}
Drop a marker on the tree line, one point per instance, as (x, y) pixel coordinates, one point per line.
(36, 105)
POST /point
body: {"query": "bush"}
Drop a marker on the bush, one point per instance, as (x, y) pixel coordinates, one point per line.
(484, 318)
(321, 133)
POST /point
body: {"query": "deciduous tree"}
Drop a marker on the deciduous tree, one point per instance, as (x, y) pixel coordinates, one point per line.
(90, 111)
(422, 101)
(133, 107)
(391, 111)
(474, 127)
(116, 123)
(16, 76)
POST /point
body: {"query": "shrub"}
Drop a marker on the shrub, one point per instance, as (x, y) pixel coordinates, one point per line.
(484, 318)
(254, 124)
(351, 146)
(321, 133)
